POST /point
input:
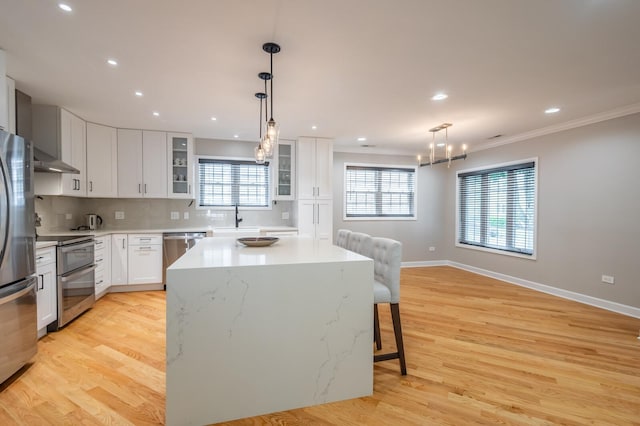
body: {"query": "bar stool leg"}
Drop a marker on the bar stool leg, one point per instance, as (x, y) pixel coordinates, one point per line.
(397, 330)
(376, 327)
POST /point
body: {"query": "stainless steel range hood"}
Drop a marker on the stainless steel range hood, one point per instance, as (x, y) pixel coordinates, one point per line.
(43, 162)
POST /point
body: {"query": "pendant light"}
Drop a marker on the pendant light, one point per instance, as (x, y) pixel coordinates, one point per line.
(267, 143)
(273, 129)
(259, 152)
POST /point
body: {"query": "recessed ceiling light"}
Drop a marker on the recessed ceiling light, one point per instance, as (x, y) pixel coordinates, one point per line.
(314, 127)
(235, 136)
(65, 7)
(214, 119)
(112, 62)
(156, 113)
(439, 96)
(552, 110)
(139, 93)
(362, 139)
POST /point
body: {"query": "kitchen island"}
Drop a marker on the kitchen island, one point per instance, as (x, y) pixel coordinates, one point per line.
(255, 330)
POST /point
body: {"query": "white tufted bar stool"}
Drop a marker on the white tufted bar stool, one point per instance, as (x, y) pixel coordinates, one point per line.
(360, 243)
(342, 237)
(387, 256)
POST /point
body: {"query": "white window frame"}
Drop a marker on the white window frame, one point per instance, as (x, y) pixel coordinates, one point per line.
(379, 218)
(532, 256)
(222, 158)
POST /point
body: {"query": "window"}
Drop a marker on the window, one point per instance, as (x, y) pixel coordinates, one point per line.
(497, 208)
(225, 183)
(379, 192)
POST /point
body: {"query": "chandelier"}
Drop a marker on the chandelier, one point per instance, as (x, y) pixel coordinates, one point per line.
(442, 151)
(269, 140)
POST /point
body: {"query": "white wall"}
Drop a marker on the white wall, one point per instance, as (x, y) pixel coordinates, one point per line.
(588, 211)
(4, 99)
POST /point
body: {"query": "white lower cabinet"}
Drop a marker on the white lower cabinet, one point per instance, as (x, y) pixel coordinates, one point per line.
(103, 265)
(119, 259)
(315, 219)
(46, 290)
(145, 259)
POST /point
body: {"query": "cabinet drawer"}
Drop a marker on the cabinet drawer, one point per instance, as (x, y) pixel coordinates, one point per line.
(99, 256)
(144, 239)
(100, 242)
(45, 256)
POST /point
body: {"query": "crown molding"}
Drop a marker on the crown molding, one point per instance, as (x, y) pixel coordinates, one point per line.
(584, 121)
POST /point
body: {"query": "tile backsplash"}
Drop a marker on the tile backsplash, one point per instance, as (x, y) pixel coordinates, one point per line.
(65, 213)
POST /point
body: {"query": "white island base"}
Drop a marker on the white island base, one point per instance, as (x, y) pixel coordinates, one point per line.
(255, 330)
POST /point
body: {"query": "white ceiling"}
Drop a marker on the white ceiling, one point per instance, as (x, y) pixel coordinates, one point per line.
(351, 67)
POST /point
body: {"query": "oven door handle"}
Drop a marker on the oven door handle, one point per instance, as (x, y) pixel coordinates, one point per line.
(74, 247)
(65, 278)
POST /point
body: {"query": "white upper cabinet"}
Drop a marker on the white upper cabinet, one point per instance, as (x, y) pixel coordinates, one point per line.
(154, 164)
(315, 168)
(180, 176)
(11, 102)
(142, 164)
(284, 170)
(129, 163)
(102, 161)
(62, 135)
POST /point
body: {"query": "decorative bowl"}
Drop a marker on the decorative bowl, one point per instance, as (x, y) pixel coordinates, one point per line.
(257, 241)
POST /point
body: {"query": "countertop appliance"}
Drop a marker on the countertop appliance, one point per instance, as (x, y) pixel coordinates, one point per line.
(76, 276)
(18, 315)
(175, 244)
(93, 221)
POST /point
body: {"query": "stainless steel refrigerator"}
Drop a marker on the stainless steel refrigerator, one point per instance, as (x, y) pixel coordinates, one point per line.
(18, 314)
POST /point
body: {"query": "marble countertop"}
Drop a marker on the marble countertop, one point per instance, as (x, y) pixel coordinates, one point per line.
(45, 244)
(223, 252)
(106, 231)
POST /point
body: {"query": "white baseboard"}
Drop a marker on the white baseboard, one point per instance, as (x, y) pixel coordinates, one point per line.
(565, 294)
(423, 263)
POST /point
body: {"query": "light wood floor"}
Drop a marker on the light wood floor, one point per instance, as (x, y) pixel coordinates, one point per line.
(478, 351)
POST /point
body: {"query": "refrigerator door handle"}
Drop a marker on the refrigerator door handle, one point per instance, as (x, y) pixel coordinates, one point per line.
(4, 210)
(17, 294)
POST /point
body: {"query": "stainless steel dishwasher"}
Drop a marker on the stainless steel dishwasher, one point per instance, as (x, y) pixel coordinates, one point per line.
(174, 245)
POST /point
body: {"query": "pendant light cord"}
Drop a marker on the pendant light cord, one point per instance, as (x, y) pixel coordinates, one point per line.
(271, 94)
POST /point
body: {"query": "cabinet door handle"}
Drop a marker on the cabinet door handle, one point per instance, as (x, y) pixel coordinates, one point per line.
(139, 189)
(145, 188)
(189, 189)
(41, 287)
(90, 186)
(123, 243)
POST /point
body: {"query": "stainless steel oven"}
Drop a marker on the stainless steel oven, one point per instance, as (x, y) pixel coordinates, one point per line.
(76, 277)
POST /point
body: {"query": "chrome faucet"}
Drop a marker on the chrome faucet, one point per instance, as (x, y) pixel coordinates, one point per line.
(238, 219)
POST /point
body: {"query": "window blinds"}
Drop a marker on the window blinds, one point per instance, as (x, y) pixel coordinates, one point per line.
(379, 191)
(497, 208)
(225, 183)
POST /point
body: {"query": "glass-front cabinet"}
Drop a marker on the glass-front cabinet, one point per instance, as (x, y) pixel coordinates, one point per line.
(181, 171)
(284, 169)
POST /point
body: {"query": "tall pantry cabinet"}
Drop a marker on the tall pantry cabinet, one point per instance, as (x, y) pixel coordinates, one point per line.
(315, 191)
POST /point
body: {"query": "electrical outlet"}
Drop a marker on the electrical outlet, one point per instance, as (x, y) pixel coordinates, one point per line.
(175, 215)
(119, 215)
(185, 215)
(68, 216)
(285, 215)
(432, 249)
(607, 279)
